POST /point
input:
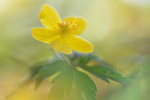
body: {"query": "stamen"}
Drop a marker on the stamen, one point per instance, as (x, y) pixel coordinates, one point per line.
(75, 21)
(68, 23)
(67, 28)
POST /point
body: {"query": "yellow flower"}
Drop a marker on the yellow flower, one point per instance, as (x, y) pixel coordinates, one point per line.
(61, 34)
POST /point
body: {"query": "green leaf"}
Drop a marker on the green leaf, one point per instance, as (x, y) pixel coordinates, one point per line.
(85, 85)
(106, 73)
(79, 58)
(62, 85)
(50, 69)
(72, 84)
(97, 67)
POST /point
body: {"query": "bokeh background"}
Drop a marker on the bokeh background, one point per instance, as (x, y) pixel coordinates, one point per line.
(119, 29)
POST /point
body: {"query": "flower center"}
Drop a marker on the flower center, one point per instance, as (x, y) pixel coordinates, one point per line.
(67, 28)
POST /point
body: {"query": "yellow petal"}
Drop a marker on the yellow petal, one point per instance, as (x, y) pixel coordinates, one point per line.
(61, 46)
(49, 17)
(81, 24)
(79, 44)
(44, 35)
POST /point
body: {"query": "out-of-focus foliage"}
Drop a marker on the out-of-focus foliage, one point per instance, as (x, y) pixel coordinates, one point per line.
(97, 67)
(67, 79)
(119, 30)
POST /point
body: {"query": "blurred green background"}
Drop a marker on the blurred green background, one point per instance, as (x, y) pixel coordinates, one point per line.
(119, 29)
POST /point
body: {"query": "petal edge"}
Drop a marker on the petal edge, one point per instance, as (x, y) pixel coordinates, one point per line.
(49, 16)
(79, 44)
(44, 35)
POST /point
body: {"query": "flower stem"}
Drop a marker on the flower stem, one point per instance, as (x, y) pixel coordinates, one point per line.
(63, 58)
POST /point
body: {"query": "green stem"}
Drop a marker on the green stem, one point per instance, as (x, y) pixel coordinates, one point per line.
(63, 58)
